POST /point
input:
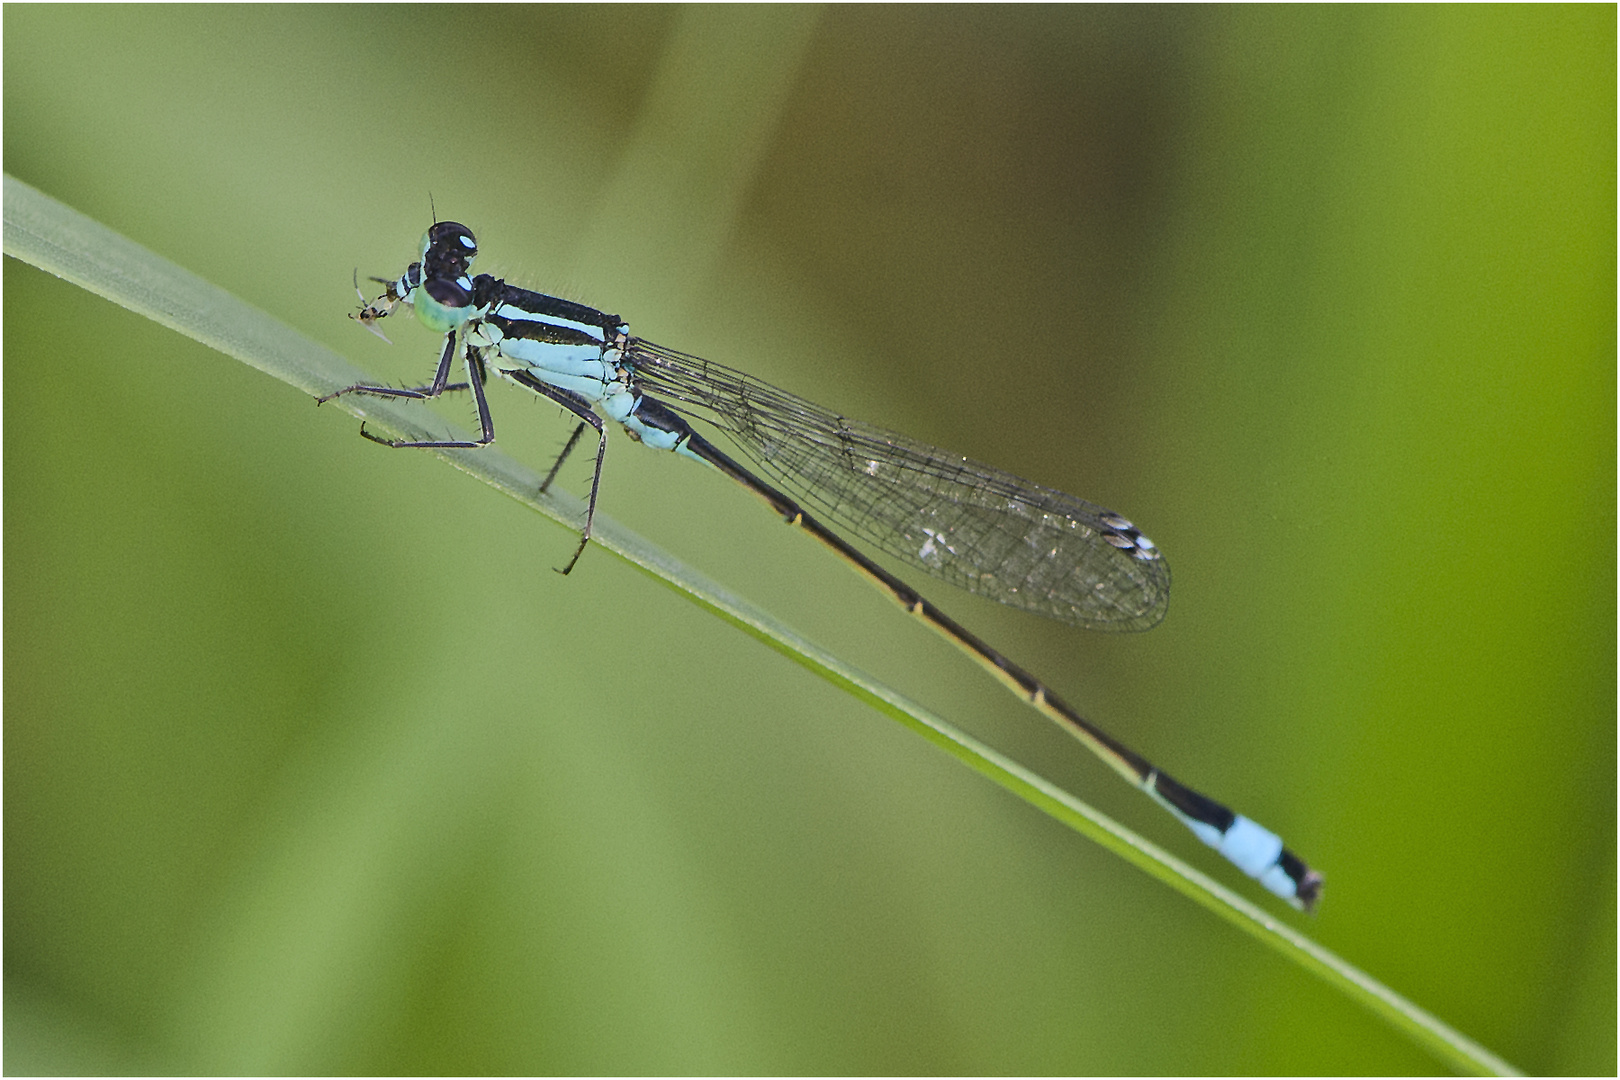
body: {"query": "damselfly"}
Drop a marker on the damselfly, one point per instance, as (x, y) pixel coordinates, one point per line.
(974, 526)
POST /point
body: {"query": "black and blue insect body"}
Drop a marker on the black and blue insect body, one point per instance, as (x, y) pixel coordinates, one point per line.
(977, 527)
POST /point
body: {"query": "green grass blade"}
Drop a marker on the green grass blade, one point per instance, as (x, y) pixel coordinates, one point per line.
(45, 233)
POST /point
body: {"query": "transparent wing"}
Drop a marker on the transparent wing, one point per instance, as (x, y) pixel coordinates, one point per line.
(977, 527)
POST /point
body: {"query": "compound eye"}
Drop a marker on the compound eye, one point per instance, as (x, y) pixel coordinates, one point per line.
(453, 239)
(448, 293)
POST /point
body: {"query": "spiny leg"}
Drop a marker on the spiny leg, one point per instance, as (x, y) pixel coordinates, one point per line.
(440, 385)
(582, 409)
(441, 381)
(590, 505)
(568, 448)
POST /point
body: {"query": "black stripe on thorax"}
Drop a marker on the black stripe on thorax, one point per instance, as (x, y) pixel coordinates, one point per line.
(494, 291)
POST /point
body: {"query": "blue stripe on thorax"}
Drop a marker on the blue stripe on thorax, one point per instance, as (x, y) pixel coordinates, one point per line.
(515, 314)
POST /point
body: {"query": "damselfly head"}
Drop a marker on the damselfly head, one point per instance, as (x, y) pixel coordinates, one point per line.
(448, 250)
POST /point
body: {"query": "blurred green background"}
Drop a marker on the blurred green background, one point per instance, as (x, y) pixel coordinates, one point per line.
(313, 765)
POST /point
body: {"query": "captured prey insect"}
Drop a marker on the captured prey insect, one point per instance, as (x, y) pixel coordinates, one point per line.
(974, 526)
